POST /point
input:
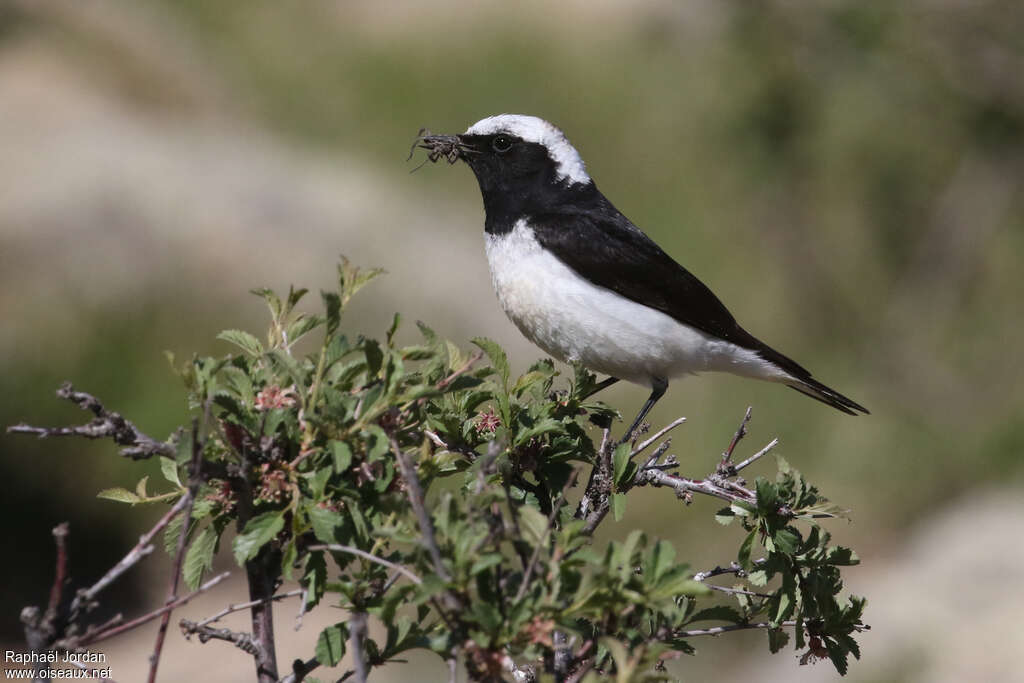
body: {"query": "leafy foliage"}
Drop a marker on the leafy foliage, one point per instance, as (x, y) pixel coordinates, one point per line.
(302, 455)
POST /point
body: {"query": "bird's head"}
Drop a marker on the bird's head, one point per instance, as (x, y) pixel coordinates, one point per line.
(512, 154)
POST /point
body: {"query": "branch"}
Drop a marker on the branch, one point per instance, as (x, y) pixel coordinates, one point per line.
(684, 486)
(716, 630)
(356, 634)
(338, 548)
(466, 367)
(101, 634)
(300, 669)
(596, 498)
(752, 459)
(646, 444)
(194, 480)
(543, 540)
(238, 607)
(134, 556)
(136, 445)
(741, 432)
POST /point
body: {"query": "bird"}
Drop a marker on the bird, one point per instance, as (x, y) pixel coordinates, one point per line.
(586, 285)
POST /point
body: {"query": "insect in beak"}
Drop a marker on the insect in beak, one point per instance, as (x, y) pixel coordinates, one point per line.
(448, 147)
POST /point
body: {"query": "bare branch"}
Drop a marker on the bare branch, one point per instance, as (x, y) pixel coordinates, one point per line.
(752, 459)
(338, 548)
(103, 634)
(238, 607)
(716, 630)
(662, 432)
(415, 491)
(741, 432)
(684, 486)
(141, 550)
(106, 424)
(194, 480)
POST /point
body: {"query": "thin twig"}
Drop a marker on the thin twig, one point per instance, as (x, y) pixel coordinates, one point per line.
(238, 607)
(415, 491)
(466, 367)
(741, 431)
(60, 535)
(662, 432)
(764, 451)
(146, 618)
(715, 630)
(338, 548)
(141, 550)
(179, 556)
(736, 591)
(541, 542)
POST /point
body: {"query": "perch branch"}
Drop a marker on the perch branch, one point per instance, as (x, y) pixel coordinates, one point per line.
(135, 444)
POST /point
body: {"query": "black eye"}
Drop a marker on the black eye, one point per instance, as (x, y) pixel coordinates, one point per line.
(502, 143)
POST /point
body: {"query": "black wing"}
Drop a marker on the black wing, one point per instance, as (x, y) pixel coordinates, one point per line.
(604, 247)
(608, 250)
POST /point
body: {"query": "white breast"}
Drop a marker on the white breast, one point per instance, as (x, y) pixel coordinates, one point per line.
(575, 320)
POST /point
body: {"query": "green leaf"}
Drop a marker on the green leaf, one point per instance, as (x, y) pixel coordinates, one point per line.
(498, 358)
(199, 557)
(332, 304)
(243, 340)
(777, 639)
(543, 427)
(326, 524)
(485, 562)
(258, 532)
(618, 502)
(342, 456)
(534, 524)
(330, 646)
(169, 468)
(743, 557)
(273, 301)
(171, 534)
(120, 495)
(140, 488)
(725, 516)
(620, 460)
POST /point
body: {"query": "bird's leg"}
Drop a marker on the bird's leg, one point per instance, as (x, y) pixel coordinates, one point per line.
(604, 384)
(658, 388)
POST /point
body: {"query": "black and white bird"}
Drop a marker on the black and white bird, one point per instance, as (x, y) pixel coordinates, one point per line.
(586, 285)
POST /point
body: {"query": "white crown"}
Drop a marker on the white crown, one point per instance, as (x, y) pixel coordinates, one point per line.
(533, 129)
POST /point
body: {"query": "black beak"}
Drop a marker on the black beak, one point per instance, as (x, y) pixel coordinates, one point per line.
(448, 147)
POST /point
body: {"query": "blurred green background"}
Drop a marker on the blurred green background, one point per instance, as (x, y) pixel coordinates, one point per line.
(846, 175)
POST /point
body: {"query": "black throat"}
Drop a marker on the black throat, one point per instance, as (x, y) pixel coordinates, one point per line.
(504, 206)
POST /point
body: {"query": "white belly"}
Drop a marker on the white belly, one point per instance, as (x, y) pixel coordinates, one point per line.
(574, 320)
